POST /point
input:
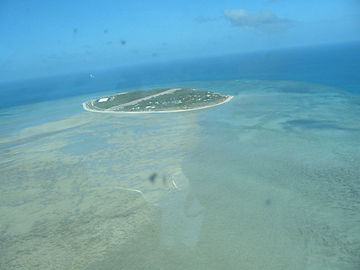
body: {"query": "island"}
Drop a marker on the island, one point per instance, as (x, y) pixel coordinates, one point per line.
(156, 101)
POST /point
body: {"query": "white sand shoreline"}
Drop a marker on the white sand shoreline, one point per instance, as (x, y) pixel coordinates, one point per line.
(169, 111)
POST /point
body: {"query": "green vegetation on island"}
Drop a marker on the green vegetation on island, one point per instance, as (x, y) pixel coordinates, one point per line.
(157, 100)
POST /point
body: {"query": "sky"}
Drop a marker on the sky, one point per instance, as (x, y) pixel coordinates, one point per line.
(40, 38)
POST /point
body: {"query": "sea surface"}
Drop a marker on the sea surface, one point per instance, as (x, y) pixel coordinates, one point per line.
(269, 180)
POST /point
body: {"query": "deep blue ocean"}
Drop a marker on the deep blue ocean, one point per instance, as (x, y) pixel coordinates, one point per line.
(334, 65)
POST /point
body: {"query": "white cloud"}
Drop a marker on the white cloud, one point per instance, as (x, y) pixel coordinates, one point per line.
(264, 21)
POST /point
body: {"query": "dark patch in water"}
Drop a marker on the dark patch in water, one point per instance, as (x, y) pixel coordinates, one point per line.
(315, 124)
(153, 177)
(268, 202)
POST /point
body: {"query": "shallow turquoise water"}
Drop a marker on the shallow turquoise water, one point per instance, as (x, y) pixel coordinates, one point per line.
(269, 180)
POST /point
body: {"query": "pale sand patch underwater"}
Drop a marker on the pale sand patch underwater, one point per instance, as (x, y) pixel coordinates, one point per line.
(267, 181)
(62, 209)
